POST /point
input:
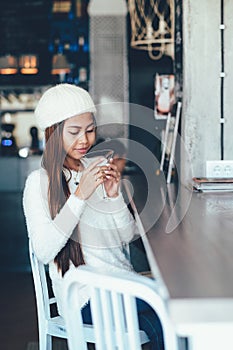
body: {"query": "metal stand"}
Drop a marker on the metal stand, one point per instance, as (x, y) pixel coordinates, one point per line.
(165, 141)
(173, 146)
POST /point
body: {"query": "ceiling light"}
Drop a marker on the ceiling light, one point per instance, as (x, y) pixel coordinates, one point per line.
(8, 65)
(153, 27)
(28, 64)
(60, 65)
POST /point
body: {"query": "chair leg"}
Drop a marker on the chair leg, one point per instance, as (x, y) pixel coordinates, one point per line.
(45, 342)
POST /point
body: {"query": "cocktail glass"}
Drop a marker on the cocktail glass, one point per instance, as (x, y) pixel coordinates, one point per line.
(92, 155)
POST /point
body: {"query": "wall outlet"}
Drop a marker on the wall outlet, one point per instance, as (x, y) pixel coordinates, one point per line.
(219, 168)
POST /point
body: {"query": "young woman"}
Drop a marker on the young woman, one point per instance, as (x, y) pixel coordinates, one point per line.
(69, 223)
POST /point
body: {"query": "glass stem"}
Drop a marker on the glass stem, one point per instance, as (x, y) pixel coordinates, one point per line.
(104, 192)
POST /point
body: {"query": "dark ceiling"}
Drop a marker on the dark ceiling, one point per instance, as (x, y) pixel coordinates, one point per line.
(33, 27)
(24, 25)
(25, 28)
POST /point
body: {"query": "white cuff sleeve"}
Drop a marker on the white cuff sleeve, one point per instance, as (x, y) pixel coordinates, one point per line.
(76, 205)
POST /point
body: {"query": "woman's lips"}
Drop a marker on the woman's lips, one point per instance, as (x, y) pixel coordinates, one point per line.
(82, 150)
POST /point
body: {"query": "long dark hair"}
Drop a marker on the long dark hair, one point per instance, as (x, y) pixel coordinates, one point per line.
(58, 192)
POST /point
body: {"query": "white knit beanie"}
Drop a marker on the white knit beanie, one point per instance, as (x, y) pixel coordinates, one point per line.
(61, 102)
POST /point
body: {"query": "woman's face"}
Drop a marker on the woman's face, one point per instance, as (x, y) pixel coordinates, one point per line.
(78, 135)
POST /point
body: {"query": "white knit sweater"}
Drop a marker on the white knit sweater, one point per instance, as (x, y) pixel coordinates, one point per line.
(104, 227)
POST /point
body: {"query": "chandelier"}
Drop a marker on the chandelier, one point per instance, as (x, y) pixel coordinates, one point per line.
(152, 26)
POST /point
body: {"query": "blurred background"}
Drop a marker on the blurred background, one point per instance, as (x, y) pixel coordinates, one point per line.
(115, 49)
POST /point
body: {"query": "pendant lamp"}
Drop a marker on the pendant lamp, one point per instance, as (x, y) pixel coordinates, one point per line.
(28, 64)
(8, 65)
(152, 26)
(60, 66)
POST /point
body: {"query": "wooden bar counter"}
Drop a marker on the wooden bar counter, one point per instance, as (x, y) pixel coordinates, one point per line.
(190, 254)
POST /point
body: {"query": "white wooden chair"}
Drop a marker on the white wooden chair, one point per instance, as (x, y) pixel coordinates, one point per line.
(113, 308)
(48, 326)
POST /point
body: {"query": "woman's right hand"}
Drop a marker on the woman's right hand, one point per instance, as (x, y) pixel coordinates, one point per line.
(91, 178)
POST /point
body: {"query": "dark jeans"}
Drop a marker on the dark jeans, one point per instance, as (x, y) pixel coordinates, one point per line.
(148, 322)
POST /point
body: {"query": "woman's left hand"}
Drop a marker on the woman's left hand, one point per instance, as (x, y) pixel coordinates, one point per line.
(112, 180)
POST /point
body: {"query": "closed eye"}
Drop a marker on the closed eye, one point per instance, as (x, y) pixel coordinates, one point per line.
(74, 133)
(91, 130)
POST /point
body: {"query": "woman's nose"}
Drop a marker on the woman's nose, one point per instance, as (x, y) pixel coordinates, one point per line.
(82, 137)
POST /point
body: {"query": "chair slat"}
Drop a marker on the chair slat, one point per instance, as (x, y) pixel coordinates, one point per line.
(132, 322)
(97, 318)
(107, 314)
(120, 321)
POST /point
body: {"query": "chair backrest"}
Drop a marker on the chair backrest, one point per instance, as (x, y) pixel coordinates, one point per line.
(113, 308)
(41, 287)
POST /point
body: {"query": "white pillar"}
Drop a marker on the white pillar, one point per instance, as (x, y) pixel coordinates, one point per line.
(228, 86)
(201, 85)
(109, 64)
